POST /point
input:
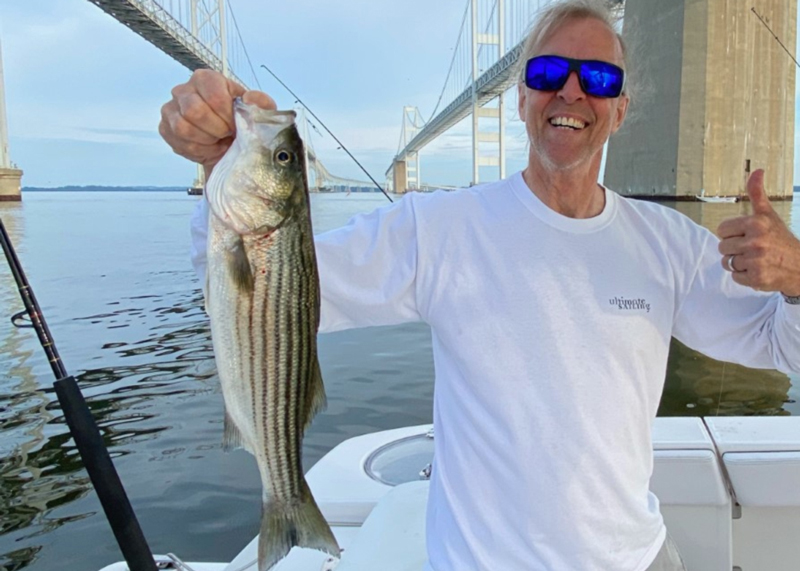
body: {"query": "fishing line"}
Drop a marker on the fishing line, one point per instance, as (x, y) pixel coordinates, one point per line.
(328, 130)
(721, 383)
(753, 9)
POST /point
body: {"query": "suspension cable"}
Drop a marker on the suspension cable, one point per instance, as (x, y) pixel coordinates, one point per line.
(452, 61)
(244, 47)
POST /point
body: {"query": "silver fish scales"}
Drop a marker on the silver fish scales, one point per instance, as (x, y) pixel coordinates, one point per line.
(262, 295)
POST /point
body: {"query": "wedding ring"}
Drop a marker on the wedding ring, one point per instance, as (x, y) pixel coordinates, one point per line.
(729, 263)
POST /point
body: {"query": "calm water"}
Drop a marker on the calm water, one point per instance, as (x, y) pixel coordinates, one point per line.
(112, 274)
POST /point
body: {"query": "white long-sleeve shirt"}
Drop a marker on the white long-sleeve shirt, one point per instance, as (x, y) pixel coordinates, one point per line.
(550, 340)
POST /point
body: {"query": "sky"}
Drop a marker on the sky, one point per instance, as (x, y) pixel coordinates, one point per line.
(84, 93)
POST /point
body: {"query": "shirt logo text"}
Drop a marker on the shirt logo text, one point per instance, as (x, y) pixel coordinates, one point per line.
(624, 303)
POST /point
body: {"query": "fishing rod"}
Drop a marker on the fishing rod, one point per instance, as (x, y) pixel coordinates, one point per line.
(83, 428)
(328, 130)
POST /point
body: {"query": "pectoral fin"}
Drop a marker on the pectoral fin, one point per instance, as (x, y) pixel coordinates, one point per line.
(231, 437)
(239, 267)
(205, 293)
(315, 399)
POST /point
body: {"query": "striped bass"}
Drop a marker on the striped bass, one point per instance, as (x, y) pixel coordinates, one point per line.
(262, 296)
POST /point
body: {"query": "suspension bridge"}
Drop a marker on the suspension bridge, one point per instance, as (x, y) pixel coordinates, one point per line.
(204, 34)
(691, 140)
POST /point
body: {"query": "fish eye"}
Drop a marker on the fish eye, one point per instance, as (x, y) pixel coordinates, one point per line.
(283, 157)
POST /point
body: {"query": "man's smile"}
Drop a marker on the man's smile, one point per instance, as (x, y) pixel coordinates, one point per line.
(565, 122)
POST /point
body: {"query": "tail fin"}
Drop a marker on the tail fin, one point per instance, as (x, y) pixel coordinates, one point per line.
(283, 527)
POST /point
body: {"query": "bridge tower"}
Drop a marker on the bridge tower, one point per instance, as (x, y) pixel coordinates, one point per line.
(478, 136)
(406, 174)
(209, 23)
(720, 99)
(10, 175)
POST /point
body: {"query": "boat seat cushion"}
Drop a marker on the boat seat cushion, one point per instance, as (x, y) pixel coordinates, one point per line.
(393, 536)
(765, 479)
(688, 477)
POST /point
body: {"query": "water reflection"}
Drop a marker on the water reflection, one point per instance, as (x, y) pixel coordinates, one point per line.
(19, 559)
(40, 469)
(31, 480)
(697, 385)
(711, 215)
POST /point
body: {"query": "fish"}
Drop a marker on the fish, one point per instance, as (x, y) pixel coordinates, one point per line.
(263, 302)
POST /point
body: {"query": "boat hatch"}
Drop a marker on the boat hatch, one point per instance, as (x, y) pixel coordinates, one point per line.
(400, 461)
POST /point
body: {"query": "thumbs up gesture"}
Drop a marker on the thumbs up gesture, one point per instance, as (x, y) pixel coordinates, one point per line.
(759, 250)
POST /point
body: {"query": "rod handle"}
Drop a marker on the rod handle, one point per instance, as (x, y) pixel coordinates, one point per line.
(104, 476)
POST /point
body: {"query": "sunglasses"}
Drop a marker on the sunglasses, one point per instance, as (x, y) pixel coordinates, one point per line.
(597, 78)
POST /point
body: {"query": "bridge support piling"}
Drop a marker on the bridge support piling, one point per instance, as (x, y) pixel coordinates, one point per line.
(720, 102)
(10, 185)
(413, 179)
(10, 176)
(399, 177)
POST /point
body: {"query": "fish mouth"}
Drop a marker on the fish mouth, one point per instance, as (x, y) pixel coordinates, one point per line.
(253, 114)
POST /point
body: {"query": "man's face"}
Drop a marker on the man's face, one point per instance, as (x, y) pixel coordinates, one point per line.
(566, 147)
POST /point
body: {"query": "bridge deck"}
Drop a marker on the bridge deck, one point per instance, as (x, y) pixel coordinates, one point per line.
(489, 85)
(157, 26)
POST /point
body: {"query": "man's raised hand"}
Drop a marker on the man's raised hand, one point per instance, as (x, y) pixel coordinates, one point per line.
(759, 249)
(198, 121)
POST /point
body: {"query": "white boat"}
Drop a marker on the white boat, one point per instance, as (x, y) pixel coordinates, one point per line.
(729, 489)
(703, 198)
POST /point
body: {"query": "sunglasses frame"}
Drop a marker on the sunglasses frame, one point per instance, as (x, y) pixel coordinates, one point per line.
(576, 65)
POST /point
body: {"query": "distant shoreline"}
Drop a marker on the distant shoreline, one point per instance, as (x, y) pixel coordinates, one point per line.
(104, 189)
(95, 188)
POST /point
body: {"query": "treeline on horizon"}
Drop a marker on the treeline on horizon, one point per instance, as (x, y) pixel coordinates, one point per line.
(99, 188)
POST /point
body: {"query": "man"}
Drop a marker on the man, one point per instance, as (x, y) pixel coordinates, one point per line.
(551, 302)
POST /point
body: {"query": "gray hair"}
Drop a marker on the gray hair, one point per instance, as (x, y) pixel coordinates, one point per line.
(558, 13)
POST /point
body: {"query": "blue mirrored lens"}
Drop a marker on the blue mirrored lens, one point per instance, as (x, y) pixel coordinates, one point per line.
(601, 79)
(597, 78)
(546, 73)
